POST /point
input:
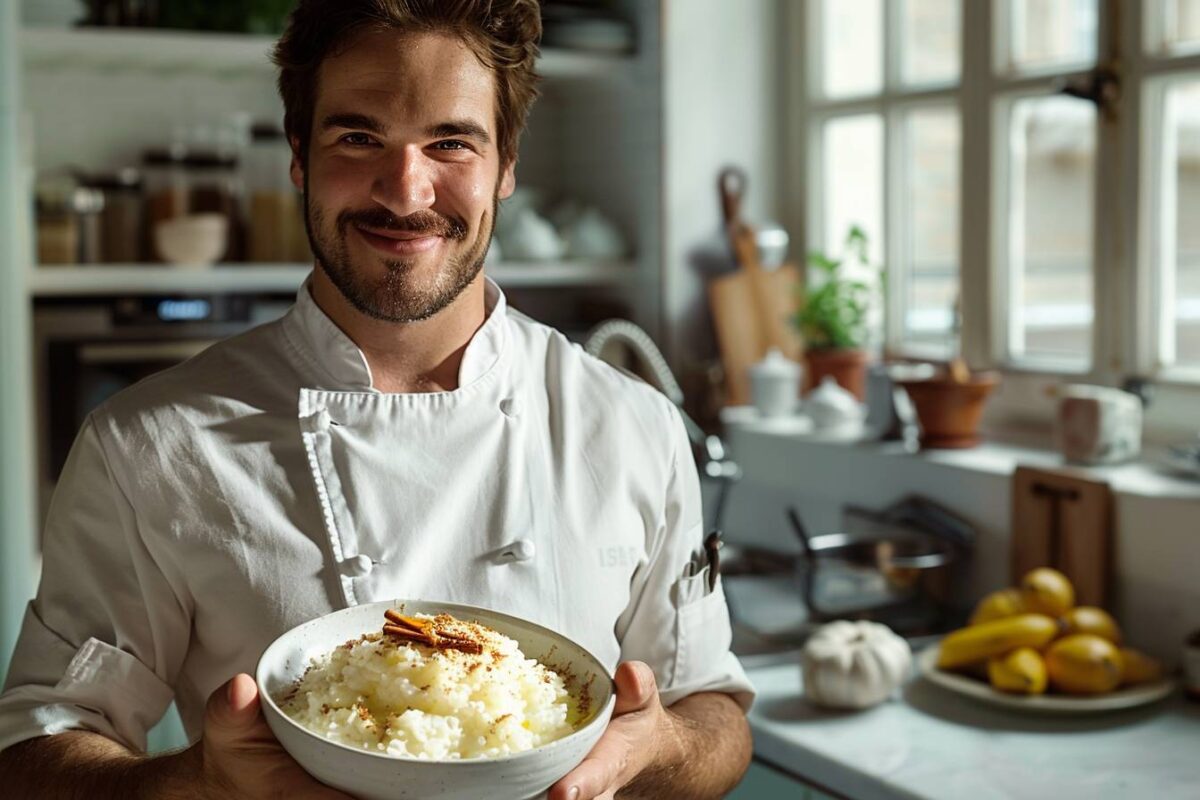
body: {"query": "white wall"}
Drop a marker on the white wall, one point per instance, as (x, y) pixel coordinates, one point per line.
(16, 445)
(722, 72)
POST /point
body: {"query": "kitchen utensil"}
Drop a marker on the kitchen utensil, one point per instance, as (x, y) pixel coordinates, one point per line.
(898, 566)
(1140, 695)
(375, 776)
(1063, 521)
(775, 384)
(1098, 424)
(751, 307)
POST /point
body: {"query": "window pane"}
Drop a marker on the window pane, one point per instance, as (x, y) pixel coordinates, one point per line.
(1173, 24)
(930, 218)
(1183, 132)
(1051, 33)
(931, 50)
(852, 194)
(1053, 154)
(852, 44)
(853, 181)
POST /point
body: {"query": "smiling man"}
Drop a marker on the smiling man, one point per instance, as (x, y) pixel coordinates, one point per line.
(399, 433)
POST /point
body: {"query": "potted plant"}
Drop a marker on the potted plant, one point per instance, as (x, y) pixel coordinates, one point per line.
(833, 316)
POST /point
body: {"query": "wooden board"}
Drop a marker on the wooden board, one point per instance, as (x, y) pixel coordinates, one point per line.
(743, 334)
(1063, 520)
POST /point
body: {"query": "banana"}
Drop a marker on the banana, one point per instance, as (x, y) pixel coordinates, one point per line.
(1020, 672)
(980, 642)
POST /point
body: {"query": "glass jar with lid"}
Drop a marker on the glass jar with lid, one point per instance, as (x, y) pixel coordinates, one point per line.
(215, 187)
(275, 230)
(166, 192)
(121, 225)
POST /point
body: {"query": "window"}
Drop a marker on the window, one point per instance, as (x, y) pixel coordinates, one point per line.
(1032, 164)
(1169, 72)
(884, 133)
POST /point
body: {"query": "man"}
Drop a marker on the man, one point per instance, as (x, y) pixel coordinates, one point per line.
(395, 435)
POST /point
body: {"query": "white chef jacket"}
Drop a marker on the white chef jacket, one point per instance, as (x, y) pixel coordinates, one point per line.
(265, 482)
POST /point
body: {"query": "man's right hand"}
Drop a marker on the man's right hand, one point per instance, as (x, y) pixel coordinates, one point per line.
(241, 759)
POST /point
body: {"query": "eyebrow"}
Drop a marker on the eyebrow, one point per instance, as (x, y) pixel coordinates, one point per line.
(459, 127)
(359, 121)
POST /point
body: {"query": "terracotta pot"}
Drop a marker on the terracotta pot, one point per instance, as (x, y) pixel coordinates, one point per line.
(949, 412)
(848, 368)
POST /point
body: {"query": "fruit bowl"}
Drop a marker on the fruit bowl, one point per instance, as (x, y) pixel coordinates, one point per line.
(1131, 697)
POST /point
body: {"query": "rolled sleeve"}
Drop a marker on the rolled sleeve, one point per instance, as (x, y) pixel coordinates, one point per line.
(676, 624)
(103, 639)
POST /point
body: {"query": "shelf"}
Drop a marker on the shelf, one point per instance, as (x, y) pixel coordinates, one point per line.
(167, 51)
(151, 279)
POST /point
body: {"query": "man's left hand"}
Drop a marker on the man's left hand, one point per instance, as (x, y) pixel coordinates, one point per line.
(628, 746)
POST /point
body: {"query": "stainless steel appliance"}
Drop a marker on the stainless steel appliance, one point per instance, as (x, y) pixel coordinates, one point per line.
(88, 348)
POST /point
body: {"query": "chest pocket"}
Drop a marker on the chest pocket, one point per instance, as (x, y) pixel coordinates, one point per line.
(434, 497)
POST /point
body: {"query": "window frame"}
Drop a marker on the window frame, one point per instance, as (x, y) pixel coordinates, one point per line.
(1125, 275)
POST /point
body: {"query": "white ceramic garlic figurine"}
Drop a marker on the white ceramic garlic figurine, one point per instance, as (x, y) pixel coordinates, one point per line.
(854, 664)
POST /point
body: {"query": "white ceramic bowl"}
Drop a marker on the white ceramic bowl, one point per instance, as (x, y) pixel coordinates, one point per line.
(375, 776)
(194, 240)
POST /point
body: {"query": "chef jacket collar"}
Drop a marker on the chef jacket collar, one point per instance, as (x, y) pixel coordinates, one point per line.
(340, 360)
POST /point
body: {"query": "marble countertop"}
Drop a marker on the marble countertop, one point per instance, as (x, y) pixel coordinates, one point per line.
(929, 743)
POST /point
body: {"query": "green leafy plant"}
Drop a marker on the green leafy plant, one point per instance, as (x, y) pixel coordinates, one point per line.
(834, 310)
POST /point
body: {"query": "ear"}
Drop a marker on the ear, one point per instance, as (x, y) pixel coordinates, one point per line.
(296, 171)
(508, 180)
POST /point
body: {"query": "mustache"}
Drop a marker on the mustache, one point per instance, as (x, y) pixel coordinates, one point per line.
(429, 223)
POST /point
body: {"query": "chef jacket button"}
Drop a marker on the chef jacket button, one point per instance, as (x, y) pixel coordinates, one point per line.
(508, 408)
(357, 566)
(520, 550)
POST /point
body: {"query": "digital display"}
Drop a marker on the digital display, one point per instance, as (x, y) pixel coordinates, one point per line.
(183, 310)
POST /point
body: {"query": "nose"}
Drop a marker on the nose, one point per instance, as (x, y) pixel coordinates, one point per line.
(406, 183)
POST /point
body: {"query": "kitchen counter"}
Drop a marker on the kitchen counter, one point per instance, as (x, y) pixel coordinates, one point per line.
(929, 743)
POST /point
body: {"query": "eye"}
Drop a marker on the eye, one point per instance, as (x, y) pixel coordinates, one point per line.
(451, 144)
(356, 139)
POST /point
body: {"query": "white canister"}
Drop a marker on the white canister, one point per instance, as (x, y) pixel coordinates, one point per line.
(1098, 424)
(775, 384)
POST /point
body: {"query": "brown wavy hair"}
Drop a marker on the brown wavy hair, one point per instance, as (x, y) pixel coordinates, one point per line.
(503, 35)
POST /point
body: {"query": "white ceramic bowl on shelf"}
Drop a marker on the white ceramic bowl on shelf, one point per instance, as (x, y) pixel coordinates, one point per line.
(375, 776)
(193, 240)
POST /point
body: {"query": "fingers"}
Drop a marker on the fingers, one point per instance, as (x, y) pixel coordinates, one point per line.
(597, 774)
(636, 687)
(232, 708)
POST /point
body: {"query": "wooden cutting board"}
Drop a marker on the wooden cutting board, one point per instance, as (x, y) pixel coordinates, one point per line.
(751, 307)
(1064, 521)
(744, 331)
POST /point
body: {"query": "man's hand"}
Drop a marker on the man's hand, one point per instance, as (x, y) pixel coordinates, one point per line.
(628, 746)
(240, 757)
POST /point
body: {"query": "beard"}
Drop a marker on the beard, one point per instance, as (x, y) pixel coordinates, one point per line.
(398, 295)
